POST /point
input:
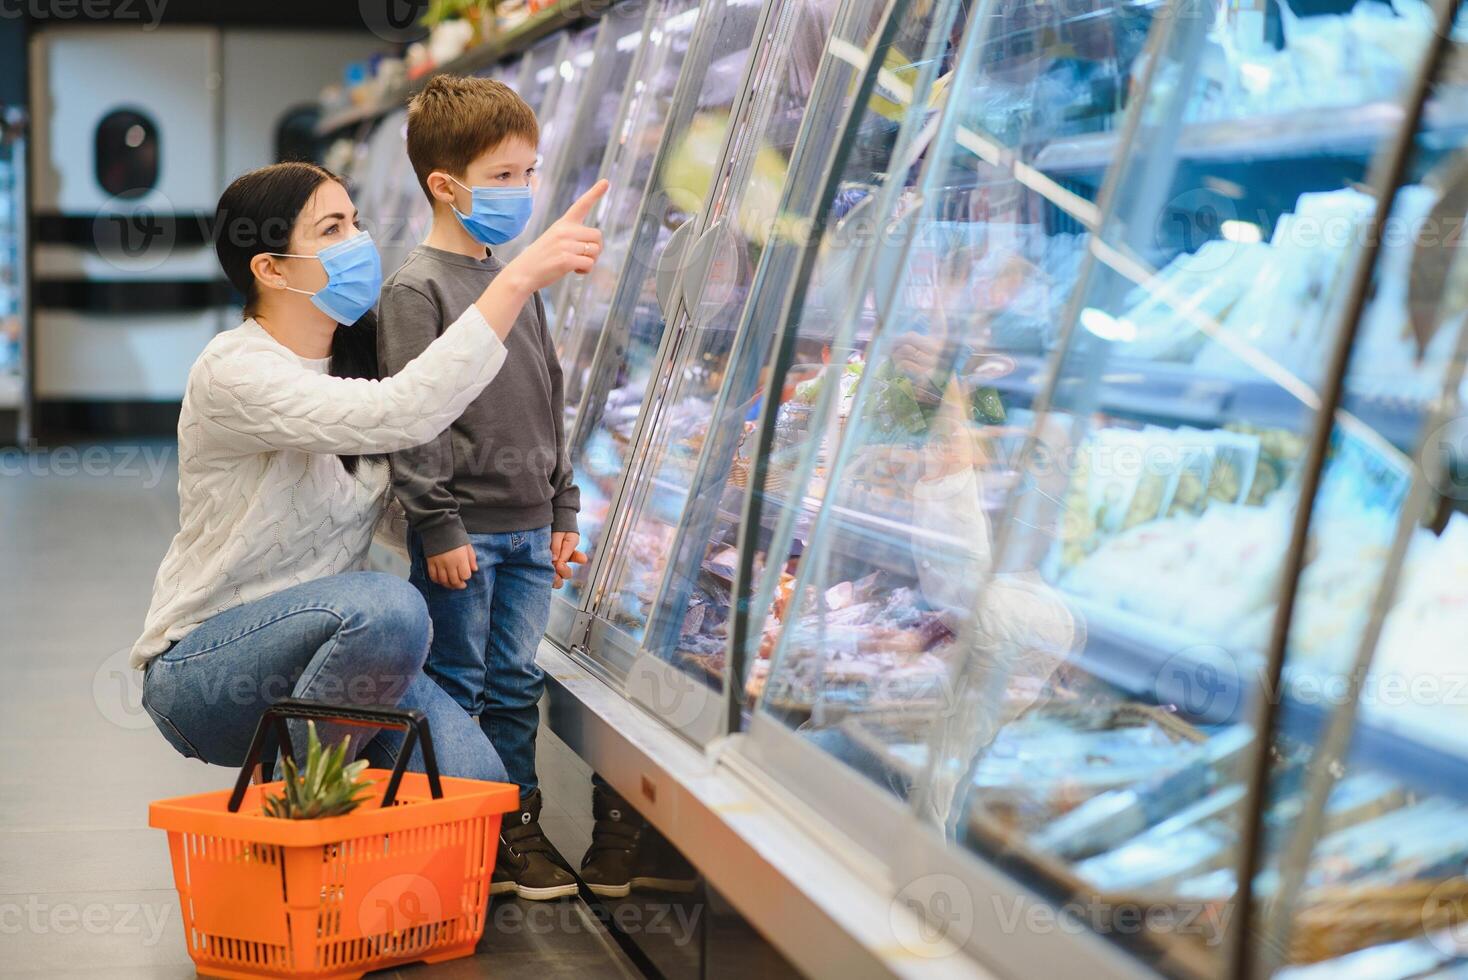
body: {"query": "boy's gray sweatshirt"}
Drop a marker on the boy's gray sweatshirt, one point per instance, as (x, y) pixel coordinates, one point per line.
(503, 465)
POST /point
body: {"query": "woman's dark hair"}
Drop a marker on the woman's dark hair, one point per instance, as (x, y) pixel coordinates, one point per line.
(256, 214)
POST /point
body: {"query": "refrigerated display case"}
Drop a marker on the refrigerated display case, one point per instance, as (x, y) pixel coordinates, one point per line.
(608, 381)
(14, 308)
(1059, 540)
(1034, 431)
(665, 600)
(581, 304)
(539, 73)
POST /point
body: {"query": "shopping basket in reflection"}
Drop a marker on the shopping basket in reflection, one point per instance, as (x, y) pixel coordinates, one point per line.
(405, 877)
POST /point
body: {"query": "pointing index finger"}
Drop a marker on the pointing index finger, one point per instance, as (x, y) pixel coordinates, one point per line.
(579, 211)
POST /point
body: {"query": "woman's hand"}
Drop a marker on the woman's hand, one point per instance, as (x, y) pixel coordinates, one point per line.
(452, 569)
(566, 246)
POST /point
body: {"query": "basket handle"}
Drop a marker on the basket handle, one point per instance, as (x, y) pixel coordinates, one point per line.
(413, 722)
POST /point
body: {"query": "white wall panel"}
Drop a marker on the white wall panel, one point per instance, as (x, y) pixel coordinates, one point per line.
(92, 356)
(80, 74)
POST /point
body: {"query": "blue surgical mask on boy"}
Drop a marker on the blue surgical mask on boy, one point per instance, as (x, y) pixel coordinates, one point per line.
(496, 214)
(353, 278)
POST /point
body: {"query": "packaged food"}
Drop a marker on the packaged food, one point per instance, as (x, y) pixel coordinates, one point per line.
(1235, 459)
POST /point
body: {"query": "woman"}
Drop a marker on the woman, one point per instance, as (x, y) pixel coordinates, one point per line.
(282, 485)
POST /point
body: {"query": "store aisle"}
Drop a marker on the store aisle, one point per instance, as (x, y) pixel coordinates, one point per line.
(86, 888)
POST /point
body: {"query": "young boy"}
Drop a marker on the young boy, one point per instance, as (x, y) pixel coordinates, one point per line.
(491, 502)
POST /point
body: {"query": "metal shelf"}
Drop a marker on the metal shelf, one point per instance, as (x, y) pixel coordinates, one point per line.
(1176, 392)
(1323, 131)
(512, 41)
(1211, 685)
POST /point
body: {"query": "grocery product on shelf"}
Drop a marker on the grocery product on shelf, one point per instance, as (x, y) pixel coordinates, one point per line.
(1326, 59)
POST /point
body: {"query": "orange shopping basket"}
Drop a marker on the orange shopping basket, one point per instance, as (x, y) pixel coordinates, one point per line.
(405, 877)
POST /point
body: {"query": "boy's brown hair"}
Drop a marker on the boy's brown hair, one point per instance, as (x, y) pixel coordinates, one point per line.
(455, 118)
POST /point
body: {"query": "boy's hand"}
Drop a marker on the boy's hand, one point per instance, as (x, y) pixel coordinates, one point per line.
(566, 246)
(563, 553)
(454, 568)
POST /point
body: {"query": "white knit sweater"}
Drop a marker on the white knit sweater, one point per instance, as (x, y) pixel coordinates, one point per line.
(263, 502)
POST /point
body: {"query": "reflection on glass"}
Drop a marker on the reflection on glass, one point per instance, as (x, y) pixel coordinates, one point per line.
(393, 204)
(612, 383)
(556, 116)
(832, 327)
(619, 46)
(539, 71)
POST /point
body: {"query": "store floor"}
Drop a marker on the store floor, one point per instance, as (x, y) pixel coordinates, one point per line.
(86, 888)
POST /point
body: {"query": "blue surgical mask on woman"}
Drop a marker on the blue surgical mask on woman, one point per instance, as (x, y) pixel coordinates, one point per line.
(353, 278)
(496, 214)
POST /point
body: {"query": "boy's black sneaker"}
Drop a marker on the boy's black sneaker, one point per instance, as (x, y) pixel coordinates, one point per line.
(626, 852)
(527, 863)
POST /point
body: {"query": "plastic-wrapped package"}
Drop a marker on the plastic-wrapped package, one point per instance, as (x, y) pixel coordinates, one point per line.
(1161, 315)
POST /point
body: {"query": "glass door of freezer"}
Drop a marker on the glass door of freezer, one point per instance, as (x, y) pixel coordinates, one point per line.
(586, 126)
(539, 69)
(894, 416)
(556, 116)
(611, 390)
(582, 317)
(816, 60)
(635, 136)
(1187, 392)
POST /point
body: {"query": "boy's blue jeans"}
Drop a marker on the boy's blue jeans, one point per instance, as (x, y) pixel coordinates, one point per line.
(485, 637)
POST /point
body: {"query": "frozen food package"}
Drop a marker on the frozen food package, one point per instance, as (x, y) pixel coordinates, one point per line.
(1235, 458)
(1167, 314)
(1187, 490)
(1114, 472)
(1161, 462)
(1424, 839)
(1150, 862)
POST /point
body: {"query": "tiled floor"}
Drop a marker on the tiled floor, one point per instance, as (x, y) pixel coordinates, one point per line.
(86, 888)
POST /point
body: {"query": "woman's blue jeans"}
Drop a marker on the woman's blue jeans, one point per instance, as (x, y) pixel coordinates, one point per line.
(358, 638)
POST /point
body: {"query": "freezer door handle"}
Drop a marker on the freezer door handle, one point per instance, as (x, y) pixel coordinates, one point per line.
(670, 265)
(701, 259)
